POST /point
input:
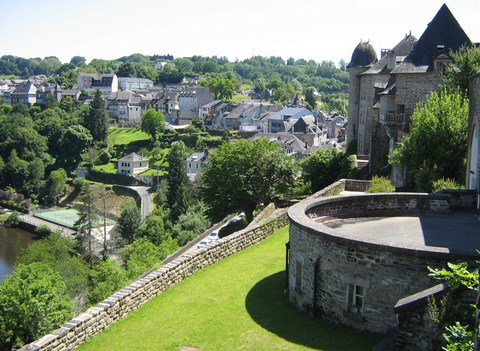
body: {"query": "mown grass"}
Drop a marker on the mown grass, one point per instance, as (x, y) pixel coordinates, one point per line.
(124, 136)
(235, 304)
(110, 167)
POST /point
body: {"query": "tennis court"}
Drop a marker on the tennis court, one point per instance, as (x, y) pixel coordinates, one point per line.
(66, 217)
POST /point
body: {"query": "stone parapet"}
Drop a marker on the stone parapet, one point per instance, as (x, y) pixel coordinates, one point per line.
(99, 317)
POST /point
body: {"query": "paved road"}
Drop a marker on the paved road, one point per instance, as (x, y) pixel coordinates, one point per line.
(147, 201)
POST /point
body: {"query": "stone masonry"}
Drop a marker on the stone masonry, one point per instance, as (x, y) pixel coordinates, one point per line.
(86, 325)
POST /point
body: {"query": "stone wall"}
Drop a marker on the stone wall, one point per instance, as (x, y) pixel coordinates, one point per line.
(325, 268)
(416, 328)
(86, 325)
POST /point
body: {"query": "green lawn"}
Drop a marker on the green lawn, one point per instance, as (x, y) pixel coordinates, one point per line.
(124, 136)
(235, 304)
(110, 167)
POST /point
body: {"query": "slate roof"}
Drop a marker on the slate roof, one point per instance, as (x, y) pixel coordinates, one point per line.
(132, 157)
(443, 34)
(364, 55)
(402, 49)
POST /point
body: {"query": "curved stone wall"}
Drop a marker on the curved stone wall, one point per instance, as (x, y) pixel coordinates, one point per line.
(350, 281)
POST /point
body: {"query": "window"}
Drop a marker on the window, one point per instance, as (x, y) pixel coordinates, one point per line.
(356, 298)
(298, 275)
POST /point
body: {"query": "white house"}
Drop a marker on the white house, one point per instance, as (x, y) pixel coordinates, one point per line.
(132, 164)
(106, 83)
(132, 83)
(195, 162)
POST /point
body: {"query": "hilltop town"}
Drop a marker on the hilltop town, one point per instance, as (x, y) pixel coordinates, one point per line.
(360, 181)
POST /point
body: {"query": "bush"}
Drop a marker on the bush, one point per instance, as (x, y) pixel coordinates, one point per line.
(13, 220)
(381, 185)
(80, 184)
(43, 230)
(445, 183)
(104, 156)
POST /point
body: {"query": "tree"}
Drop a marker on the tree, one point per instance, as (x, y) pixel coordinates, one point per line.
(106, 278)
(33, 302)
(60, 254)
(310, 98)
(177, 195)
(190, 224)
(58, 181)
(436, 145)
(466, 64)
(221, 87)
(243, 176)
(129, 222)
(139, 257)
(156, 227)
(153, 123)
(37, 173)
(17, 170)
(323, 167)
(74, 142)
(86, 221)
(97, 119)
(126, 69)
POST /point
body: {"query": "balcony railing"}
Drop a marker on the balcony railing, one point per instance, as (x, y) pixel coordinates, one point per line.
(396, 119)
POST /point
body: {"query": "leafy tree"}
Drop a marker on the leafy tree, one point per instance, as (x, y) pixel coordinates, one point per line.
(106, 278)
(74, 142)
(177, 195)
(153, 123)
(310, 98)
(139, 257)
(97, 119)
(190, 224)
(323, 167)
(156, 227)
(60, 254)
(37, 173)
(78, 61)
(436, 145)
(57, 183)
(243, 176)
(126, 69)
(466, 64)
(221, 86)
(86, 221)
(33, 302)
(129, 222)
(17, 170)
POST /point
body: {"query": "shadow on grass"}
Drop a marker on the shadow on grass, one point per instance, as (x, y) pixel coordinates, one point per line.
(269, 307)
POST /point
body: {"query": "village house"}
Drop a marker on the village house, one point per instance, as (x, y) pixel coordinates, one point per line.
(134, 84)
(195, 163)
(277, 122)
(190, 101)
(383, 93)
(91, 82)
(132, 164)
(166, 102)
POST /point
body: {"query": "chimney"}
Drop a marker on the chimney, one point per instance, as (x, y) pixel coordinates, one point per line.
(390, 60)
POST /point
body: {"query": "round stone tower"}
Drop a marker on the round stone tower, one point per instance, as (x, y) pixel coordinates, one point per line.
(363, 57)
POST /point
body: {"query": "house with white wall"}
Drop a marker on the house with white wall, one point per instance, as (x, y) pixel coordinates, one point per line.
(133, 164)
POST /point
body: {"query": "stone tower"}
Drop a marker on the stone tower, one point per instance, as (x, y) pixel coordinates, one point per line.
(363, 57)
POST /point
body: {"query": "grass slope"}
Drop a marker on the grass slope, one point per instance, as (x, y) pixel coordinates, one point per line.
(235, 304)
(124, 136)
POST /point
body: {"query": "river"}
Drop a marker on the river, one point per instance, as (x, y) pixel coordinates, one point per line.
(12, 241)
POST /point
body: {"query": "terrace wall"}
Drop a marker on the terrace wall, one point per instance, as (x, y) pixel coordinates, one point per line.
(86, 325)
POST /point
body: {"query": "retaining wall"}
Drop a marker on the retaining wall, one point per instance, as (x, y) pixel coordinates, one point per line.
(86, 325)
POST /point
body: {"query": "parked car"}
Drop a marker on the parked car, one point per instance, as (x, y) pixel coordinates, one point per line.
(213, 236)
(237, 218)
(202, 244)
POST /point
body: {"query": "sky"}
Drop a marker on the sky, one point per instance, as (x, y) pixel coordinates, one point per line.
(310, 29)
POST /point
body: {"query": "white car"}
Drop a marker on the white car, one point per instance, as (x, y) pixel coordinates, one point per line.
(202, 244)
(237, 218)
(213, 236)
